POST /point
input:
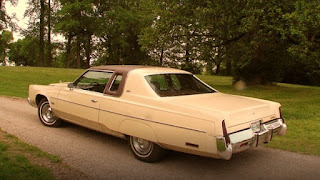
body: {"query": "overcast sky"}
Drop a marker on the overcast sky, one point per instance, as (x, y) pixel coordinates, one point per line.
(18, 10)
(22, 22)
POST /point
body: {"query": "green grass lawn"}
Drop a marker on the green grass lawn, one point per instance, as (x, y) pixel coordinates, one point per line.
(15, 163)
(300, 104)
(14, 81)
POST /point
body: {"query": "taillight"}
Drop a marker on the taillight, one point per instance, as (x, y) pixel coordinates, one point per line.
(225, 133)
(281, 115)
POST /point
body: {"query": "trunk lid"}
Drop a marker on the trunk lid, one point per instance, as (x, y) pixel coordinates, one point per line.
(240, 111)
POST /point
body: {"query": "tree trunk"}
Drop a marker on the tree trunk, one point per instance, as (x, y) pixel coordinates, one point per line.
(209, 66)
(88, 51)
(110, 52)
(218, 60)
(41, 43)
(68, 50)
(187, 56)
(78, 52)
(4, 63)
(49, 36)
(187, 49)
(228, 67)
(218, 68)
(161, 57)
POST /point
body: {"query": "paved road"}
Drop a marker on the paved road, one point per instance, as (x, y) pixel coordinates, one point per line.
(105, 157)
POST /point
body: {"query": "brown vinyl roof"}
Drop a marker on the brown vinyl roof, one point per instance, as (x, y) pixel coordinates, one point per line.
(124, 70)
(119, 68)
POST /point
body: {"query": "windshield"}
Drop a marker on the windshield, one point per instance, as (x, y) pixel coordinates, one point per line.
(177, 84)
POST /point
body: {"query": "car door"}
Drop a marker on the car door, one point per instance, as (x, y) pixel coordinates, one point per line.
(81, 102)
(111, 105)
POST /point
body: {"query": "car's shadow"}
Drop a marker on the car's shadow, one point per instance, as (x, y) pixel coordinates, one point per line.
(113, 153)
(171, 156)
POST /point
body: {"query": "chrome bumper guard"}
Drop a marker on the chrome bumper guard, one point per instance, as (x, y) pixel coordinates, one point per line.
(31, 103)
(247, 138)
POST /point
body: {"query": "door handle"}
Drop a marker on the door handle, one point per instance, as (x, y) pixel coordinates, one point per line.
(94, 101)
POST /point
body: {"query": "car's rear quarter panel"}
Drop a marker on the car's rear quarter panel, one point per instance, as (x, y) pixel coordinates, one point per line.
(171, 126)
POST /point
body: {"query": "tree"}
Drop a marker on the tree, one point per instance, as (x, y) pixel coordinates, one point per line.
(41, 36)
(5, 40)
(281, 37)
(5, 20)
(110, 29)
(75, 19)
(42, 15)
(248, 39)
(120, 23)
(49, 45)
(303, 37)
(170, 35)
(21, 54)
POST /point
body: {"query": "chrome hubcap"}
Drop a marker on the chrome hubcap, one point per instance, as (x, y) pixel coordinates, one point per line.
(143, 147)
(46, 114)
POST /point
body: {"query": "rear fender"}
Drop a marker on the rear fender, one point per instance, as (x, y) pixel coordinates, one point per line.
(138, 129)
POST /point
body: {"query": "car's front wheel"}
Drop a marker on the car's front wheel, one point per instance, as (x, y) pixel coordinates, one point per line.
(145, 150)
(46, 115)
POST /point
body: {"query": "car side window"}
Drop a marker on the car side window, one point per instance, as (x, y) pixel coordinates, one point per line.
(176, 85)
(116, 83)
(93, 81)
(175, 82)
(158, 82)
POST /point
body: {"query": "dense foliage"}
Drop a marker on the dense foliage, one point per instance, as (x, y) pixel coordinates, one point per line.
(257, 41)
(5, 35)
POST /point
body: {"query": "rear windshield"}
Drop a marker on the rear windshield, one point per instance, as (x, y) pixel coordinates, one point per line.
(177, 84)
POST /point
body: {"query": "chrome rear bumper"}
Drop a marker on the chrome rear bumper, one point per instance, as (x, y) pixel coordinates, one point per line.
(245, 139)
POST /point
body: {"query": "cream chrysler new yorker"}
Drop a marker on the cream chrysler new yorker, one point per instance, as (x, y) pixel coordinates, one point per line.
(158, 108)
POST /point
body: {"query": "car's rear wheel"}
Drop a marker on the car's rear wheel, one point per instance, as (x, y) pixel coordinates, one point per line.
(145, 150)
(46, 115)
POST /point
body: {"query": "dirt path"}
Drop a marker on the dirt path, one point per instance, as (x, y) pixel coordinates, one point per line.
(105, 157)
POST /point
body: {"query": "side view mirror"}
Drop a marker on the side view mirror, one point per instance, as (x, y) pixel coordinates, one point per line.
(70, 85)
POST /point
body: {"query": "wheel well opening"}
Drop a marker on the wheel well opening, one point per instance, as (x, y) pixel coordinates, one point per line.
(39, 98)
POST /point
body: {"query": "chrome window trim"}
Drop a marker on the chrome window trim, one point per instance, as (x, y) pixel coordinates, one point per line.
(78, 79)
(114, 78)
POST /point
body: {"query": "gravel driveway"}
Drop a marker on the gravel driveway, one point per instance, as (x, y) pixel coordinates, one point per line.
(105, 157)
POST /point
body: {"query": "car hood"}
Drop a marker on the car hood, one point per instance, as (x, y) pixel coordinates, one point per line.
(239, 111)
(62, 84)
